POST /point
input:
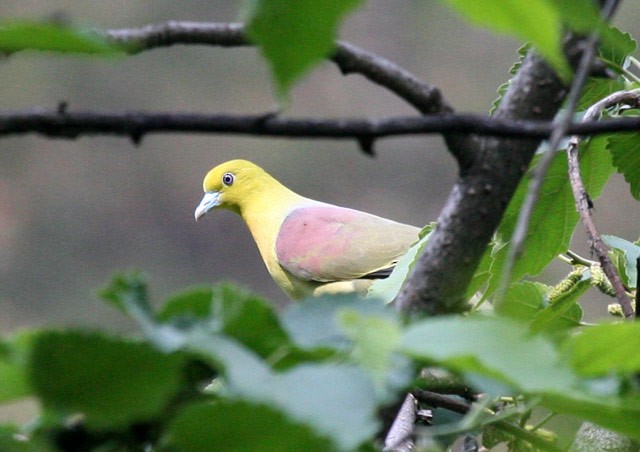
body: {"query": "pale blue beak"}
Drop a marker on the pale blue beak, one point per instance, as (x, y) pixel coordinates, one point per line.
(209, 201)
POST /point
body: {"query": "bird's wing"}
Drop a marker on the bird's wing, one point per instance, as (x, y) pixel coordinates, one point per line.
(329, 243)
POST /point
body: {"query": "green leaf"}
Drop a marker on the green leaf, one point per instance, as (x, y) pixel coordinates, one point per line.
(294, 36)
(128, 293)
(14, 355)
(526, 301)
(110, 380)
(616, 47)
(387, 289)
(615, 413)
(564, 311)
(631, 252)
(602, 349)
(596, 89)
(10, 443)
(24, 35)
(554, 217)
(496, 348)
(335, 400)
(536, 21)
(240, 314)
(229, 426)
(191, 304)
(502, 89)
(625, 151)
(375, 339)
(314, 322)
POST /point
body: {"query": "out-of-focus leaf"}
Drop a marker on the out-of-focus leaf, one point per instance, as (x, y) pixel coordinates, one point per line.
(14, 355)
(335, 400)
(606, 348)
(238, 313)
(612, 412)
(10, 443)
(537, 21)
(496, 348)
(294, 36)
(111, 381)
(630, 251)
(375, 340)
(193, 303)
(313, 322)
(241, 426)
(24, 35)
(127, 292)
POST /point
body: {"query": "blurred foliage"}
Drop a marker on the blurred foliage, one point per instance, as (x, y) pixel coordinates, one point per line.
(48, 36)
(220, 367)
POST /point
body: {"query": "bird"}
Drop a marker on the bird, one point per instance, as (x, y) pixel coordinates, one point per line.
(309, 247)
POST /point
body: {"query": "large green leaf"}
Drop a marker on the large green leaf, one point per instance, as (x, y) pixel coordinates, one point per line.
(625, 151)
(602, 349)
(240, 426)
(616, 47)
(294, 36)
(612, 412)
(554, 217)
(335, 400)
(497, 348)
(111, 381)
(536, 21)
(24, 35)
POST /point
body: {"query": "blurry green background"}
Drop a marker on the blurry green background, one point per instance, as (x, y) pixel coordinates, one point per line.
(74, 211)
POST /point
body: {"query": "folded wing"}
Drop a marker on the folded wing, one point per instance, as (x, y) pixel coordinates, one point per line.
(329, 243)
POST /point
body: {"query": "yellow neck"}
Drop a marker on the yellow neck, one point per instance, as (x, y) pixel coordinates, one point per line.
(264, 213)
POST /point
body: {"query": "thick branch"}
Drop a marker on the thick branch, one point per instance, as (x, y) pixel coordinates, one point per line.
(425, 97)
(438, 282)
(71, 124)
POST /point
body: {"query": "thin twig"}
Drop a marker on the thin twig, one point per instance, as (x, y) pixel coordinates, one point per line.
(581, 197)
(72, 124)
(560, 130)
(437, 400)
(423, 96)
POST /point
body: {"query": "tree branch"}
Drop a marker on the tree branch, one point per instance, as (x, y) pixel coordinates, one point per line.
(438, 281)
(423, 96)
(441, 401)
(63, 123)
(533, 193)
(582, 198)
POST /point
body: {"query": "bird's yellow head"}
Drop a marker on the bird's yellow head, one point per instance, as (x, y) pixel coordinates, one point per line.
(234, 185)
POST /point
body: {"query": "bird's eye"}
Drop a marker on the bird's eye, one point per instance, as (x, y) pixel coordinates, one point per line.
(228, 178)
